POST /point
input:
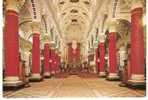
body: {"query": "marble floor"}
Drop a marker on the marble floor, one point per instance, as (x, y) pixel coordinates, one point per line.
(74, 86)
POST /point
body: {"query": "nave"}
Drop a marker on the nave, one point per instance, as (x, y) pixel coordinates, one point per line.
(55, 48)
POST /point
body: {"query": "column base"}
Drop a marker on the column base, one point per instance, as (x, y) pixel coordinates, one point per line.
(57, 72)
(122, 84)
(12, 81)
(102, 74)
(47, 75)
(112, 77)
(95, 69)
(53, 72)
(137, 80)
(35, 77)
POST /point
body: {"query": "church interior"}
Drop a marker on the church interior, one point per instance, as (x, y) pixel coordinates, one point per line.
(74, 48)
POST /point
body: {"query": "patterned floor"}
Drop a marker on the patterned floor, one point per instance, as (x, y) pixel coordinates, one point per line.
(74, 86)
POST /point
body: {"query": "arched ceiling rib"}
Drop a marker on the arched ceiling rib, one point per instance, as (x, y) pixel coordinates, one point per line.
(73, 15)
(76, 19)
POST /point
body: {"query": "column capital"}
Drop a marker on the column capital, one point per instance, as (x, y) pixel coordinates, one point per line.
(46, 39)
(102, 38)
(136, 4)
(122, 48)
(90, 51)
(52, 44)
(112, 25)
(35, 27)
(60, 55)
(56, 50)
(46, 42)
(14, 5)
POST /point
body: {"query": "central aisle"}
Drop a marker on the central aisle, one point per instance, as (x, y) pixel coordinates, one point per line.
(74, 86)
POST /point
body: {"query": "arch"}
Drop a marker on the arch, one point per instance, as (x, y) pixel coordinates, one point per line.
(126, 23)
(27, 21)
(103, 23)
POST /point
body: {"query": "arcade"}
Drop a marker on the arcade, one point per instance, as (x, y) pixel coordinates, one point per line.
(73, 40)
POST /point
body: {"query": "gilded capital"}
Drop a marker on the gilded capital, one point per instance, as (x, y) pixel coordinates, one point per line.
(35, 27)
(112, 25)
(52, 44)
(46, 39)
(136, 4)
(14, 5)
(102, 38)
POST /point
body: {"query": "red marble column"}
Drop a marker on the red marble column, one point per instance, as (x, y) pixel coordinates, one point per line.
(59, 61)
(11, 43)
(102, 59)
(53, 61)
(112, 57)
(97, 58)
(137, 47)
(46, 60)
(36, 57)
(50, 60)
(77, 56)
(70, 55)
(56, 62)
(11, 46)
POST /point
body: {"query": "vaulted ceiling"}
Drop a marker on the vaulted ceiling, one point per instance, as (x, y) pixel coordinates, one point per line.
(74, 17)
(68, 20)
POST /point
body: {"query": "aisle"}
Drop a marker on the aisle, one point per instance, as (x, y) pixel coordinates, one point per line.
(74, 86)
